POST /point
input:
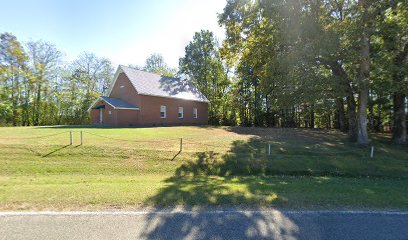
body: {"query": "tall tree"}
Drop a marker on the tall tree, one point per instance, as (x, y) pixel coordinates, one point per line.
(391, 61)
(155, 63)
(89, 78)
(12, 73)
(44, 60)
(364, 70)
(203, 65)
(302, 39)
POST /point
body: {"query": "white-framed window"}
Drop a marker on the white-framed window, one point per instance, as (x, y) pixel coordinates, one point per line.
(194, 112)
(110, 112)
(162, 111)
(180, 112)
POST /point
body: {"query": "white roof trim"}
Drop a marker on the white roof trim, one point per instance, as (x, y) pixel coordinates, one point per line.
(107, 102)
(94, 102)
(97, 100)
(100, 98)
(119, 70)
(121, 108)
(115, 77)
(152, 95)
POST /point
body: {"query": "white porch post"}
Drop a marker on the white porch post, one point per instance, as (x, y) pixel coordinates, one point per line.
(100, 116)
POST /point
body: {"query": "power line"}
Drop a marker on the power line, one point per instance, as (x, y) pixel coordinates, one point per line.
(129, 140)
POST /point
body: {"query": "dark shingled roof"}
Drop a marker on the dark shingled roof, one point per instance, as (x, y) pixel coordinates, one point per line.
(153, 84)
(118, 103)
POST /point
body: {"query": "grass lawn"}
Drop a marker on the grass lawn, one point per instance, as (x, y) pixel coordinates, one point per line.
(142, 167)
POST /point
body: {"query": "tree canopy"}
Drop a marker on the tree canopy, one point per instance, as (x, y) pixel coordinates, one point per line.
(297, 63)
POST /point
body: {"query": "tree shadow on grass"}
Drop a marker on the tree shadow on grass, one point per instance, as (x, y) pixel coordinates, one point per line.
(251, 158)
(206, 184)
(204, 197)
(245, 177)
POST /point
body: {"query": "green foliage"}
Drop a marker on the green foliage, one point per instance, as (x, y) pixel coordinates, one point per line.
(290, 57)
(202, 65)
(282, 64)
(12, 75)
(155, 63)
(36, 88)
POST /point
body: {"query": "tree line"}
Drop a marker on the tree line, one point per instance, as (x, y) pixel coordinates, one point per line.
(296, 63)
(38, 88)
(307, 63)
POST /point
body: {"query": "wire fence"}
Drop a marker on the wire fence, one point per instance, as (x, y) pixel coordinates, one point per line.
(259, 147)
(128, 140)
(210, 154)
(34, 137)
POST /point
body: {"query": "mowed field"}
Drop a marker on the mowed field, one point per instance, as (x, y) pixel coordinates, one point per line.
(130, 168)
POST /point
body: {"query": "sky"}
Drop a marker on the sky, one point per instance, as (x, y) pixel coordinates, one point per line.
(124, 31)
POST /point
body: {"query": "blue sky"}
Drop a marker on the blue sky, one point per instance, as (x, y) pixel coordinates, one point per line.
(124, 31)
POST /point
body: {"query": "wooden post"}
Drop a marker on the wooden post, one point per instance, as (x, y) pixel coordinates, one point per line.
(81, 137)
(372, 152)
(269, 149)
(181, 144)
(70, 137)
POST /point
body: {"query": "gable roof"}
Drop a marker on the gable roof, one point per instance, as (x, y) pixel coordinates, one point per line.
(116, 103)
(153, 84)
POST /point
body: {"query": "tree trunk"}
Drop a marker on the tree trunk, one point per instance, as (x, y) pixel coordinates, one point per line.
(312, 116)
(378, 122)
(399, 130)
(329, 119)
(352, 118)
(362, 137)
(38, 104)
(371, 114)
(345, 83)
(363, 78)
(341, 117)
(268, 111)
(13, 99)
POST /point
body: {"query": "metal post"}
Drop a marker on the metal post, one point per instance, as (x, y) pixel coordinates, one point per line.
(181, 144)
(269, 149)
(70, 137)
(81, 137)
(372, 152)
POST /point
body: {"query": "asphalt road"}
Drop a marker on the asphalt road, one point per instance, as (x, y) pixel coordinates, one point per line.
(204, 225)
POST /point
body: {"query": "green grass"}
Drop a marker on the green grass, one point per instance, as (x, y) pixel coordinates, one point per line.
(139, 167)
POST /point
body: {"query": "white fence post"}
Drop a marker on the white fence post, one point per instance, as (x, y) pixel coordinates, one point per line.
(372, 152)
(269, 149)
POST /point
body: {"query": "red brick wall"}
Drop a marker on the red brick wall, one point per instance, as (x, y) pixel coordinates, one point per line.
(107, 119)
(150, 111)
(126, 118)
(94, 116)
(127, 92)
